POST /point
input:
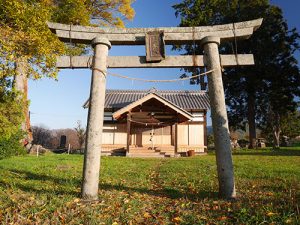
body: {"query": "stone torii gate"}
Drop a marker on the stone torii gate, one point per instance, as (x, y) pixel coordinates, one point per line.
(155, 38)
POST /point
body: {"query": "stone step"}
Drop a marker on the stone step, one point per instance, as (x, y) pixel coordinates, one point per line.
(147, 152)
(141, 150)
(166, 150)
(145, 155)
(144, 151)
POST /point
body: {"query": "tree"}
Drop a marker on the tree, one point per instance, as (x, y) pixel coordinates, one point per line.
(11, 146)
(288, 125)
(25, 33)
(11, 117)
(70, 134)
(80, 134)
(27, 47)
(280, 93)
(42, 136)
(10, 108)
(273, 81)
(51, 138)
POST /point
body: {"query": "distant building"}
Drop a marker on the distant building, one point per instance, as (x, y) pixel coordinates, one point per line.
(154, 123)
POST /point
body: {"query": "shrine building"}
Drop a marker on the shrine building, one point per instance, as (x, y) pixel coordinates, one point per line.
(154, 123)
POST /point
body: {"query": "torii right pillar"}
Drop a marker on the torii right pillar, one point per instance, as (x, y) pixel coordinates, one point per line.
(219, 117)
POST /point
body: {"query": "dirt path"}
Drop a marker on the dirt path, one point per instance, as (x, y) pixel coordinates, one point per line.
(154, 176)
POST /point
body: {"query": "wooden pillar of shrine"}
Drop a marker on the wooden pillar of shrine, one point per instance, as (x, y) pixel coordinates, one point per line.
(205, 131)
(176, 138)
(128, 132)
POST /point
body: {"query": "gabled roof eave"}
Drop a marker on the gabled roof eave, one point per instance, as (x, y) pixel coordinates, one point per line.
(127, 108)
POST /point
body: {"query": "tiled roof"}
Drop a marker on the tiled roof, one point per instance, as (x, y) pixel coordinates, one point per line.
(188, 100)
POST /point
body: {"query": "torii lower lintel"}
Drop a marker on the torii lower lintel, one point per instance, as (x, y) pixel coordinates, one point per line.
(82, 62)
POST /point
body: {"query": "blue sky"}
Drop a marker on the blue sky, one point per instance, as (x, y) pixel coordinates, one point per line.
(58, 104)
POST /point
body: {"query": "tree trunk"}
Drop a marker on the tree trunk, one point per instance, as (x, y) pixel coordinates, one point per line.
(251, 121)
(21, 85)
(276, 131)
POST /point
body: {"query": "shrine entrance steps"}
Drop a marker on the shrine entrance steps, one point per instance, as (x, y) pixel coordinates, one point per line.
(148, 152)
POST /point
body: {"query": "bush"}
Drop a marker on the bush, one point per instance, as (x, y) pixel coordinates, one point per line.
(243, 143)
(12, 105)
(11, 146)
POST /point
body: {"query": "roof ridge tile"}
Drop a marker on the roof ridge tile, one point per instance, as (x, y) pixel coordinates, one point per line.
(186, 99)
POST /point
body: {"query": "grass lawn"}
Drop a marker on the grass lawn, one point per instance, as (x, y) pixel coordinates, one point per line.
(46, 190)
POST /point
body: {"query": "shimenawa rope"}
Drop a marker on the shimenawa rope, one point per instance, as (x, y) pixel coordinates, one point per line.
(150, 124)
(151, 81)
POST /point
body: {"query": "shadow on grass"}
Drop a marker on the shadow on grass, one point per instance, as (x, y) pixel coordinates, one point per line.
(31, 189)
(166, 192)
(59, 186)
(56, 187)
(262, 152)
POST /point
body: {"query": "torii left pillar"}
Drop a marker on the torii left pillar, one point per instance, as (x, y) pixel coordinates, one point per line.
(91, 166)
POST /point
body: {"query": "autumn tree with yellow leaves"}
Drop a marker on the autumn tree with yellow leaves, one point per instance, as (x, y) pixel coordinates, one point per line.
(28, 49)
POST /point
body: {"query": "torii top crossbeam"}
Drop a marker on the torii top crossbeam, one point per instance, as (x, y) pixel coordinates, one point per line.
(136, 36)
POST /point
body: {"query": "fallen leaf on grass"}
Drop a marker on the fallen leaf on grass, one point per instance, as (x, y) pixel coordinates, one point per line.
(69, 204)
(271, 214)
(289, 221)
(222, 218)
(177, 220)
(128, 210)
(147, 215)
(44, 210)
(76, 200)
(215, 207)
(62, 218)
(202, 218)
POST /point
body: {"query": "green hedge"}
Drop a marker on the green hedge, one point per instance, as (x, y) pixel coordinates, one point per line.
(11, 146)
